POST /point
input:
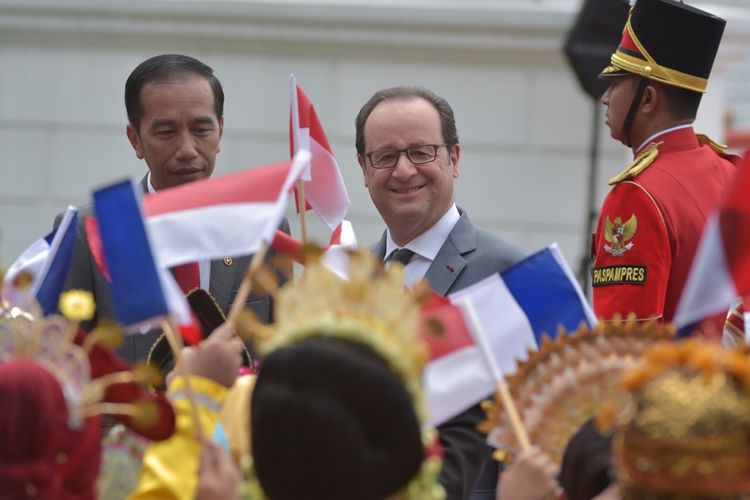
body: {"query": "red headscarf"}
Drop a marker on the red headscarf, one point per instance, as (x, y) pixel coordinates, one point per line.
(33, 431)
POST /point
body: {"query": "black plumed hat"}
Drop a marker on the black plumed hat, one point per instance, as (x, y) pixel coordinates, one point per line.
(670, 42)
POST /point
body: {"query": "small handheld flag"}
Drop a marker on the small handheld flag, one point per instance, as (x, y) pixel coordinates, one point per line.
(47, 260)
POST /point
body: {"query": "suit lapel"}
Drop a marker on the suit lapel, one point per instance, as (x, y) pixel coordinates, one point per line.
(449, 261)
(144, 184)
(222, 281)
(378, 249)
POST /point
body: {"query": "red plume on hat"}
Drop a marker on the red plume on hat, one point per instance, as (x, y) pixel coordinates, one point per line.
(670, 42)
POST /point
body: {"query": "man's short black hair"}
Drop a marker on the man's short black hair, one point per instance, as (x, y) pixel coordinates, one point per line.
(682, 103)
(334, 415)
(447, 119)
(161, 68)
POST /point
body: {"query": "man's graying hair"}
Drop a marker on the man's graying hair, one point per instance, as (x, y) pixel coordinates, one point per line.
(160, 69)
(447, 120)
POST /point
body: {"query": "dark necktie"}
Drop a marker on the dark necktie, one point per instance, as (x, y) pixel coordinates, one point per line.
(402, 255)
(188, 276)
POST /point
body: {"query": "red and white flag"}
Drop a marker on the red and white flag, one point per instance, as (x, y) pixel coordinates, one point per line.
(229, 215)
(336, 254)
(720, 272)
(325, 191)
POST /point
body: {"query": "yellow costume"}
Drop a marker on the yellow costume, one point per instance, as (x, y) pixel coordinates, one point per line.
(170, 468)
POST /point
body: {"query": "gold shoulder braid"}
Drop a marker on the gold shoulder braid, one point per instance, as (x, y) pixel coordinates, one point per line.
(372, 308)
(568, 381)
(687, 430)
(705, 140)
(645, 158)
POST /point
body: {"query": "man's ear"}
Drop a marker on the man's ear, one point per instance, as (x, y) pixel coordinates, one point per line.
(455, 156)
(363, 166)
(135, 141)
(651, 99)
(221, 133)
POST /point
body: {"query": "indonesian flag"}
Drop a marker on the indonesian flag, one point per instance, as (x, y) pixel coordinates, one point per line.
(325, 191)
(721, 268)
(202, 220)
(229, 215)
(489, 325)
(335, 255)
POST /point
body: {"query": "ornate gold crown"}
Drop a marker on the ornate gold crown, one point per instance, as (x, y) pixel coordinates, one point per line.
(372, 308)
(568, 381)
(688, 431)
(50, 342)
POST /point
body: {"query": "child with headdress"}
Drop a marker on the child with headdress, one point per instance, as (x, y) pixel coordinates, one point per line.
(54, 384)
(337, 409)
(684, 434)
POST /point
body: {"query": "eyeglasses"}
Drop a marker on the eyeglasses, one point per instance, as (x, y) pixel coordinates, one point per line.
(388, 158)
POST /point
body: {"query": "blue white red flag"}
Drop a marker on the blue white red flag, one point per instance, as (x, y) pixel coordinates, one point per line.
(143, 292)
(514, 310)
(47, 260)
(720, 272)
(325, 190)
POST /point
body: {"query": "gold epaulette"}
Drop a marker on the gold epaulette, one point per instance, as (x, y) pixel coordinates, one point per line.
(645, 158)
(705, 140)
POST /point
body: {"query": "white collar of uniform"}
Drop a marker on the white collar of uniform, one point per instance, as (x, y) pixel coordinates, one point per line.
(678, 127)
(151, 188)
(428, 243)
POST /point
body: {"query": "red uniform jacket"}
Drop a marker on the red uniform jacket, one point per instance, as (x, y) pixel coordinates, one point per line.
(650, 225)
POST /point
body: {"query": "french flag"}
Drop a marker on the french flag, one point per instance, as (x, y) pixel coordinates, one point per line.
(228, 215)
(143, 292)
(325, 191)
(721, 268)
(47, 260)
(506, 315)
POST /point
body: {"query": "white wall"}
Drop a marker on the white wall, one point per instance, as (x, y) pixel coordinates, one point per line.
(523, 122)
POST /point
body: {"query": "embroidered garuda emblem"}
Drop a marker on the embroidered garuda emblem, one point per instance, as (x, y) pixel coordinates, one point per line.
(617, 235)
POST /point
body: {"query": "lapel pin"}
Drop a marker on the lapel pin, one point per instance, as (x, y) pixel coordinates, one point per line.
(228, 261)
(451, 269)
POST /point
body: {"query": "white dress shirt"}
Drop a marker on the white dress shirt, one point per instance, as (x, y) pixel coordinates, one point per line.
(425, 246)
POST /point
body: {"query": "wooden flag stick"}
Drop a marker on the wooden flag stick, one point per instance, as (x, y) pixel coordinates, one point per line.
(502, 387)
(175, 342)
(247, 283)
(301, 204)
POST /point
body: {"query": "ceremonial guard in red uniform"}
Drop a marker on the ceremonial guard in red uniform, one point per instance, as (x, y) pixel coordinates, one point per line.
(651, 221)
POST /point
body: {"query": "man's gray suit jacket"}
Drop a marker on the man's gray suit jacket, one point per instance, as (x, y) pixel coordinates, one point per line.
(468, 255)
(224, 283)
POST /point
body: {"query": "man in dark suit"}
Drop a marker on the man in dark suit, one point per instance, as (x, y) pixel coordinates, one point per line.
(407, 146)
(175, 107)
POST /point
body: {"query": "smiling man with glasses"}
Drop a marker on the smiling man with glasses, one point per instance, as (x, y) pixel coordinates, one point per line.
(407, 146)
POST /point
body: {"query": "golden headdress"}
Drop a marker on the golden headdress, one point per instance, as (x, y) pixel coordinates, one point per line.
(568, 381)
(688, 428)
(59, 381)
(371, 308)
(90, 389)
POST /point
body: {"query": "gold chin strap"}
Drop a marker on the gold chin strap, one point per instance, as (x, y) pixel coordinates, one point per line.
(653, 70)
